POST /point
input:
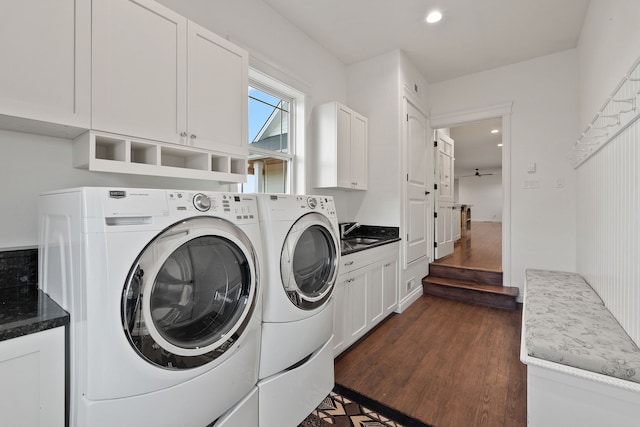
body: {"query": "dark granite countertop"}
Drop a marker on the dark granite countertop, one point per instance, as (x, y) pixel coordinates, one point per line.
(383, 235)
(26, 309)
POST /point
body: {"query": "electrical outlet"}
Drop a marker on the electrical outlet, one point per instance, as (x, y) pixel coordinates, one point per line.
(410, 284)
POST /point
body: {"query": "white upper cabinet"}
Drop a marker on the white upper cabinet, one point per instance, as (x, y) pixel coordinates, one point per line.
(158, 76)
(45, 76)
(341, 147)
(217, 86)
(139, 69)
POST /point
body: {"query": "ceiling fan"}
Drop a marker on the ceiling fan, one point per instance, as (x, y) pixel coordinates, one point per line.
(476, 174)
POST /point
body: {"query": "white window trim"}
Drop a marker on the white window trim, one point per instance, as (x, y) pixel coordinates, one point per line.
(296, 156)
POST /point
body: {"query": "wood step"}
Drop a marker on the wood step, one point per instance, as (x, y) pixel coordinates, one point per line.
(503, 297)
(479, 275)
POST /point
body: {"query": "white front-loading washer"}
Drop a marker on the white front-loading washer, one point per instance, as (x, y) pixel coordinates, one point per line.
(302, 251)
(163, 288)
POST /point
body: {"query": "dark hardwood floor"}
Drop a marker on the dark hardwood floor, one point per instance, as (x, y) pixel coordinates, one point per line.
(447, 363)
(481, 248)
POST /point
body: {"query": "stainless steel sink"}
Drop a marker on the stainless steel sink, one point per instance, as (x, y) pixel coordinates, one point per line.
(362, 240)
(347, 246)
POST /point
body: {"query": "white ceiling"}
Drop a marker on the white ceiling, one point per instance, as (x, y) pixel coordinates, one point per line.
(473, 36)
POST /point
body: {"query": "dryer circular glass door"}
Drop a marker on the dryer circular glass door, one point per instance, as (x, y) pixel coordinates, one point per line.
(309, 261)
(191, 293)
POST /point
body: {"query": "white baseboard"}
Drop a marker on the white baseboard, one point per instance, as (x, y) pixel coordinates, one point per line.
(409, 299)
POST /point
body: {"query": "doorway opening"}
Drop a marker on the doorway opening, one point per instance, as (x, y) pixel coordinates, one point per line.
(502, 112)
(478, 195)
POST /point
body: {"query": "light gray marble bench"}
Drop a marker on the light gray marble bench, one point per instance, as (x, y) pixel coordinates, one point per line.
(582, 367)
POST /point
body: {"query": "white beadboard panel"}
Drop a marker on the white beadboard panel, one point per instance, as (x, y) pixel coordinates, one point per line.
(608, 234)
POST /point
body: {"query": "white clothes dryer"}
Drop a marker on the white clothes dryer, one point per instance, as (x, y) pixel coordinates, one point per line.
(302, 251)
(163, 288)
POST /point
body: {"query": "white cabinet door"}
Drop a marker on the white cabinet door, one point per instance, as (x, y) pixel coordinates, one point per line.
(357, 290)
(340, 310)
(382, 296)
(32, 388)
(217, 91)
(365, 293)
(375, 296)
(390, 285)
(341, 147)
(138, 69)
(359, 150)
(350, 309)
(158, 76)
(45, 50)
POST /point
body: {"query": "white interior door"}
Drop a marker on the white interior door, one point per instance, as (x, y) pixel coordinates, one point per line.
(419, 233)
(444, 168)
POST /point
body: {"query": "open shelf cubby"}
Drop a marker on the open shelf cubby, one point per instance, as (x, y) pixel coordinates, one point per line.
(103, 152)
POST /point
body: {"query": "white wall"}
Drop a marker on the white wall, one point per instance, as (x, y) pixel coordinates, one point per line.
(544, 93)
(608, 184)
(31, 164)
(484, 193)
(374, 92)
(609, 44)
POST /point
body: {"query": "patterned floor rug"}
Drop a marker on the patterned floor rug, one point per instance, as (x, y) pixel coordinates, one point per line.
(347, 408)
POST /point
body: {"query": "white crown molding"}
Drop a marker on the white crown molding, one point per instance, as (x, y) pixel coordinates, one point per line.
(481, 113)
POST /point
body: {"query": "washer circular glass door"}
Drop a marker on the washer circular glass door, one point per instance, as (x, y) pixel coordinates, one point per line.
(309, 261)
(191, 293)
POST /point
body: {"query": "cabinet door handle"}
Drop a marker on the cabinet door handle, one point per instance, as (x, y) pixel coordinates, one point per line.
(387, 265)
(193, 136)
(348, 263)
(183, 134)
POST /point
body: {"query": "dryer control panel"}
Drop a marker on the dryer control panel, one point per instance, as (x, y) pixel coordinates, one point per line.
(237, 208)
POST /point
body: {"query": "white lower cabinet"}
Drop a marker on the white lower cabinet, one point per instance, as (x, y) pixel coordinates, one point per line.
(366, 293)
(32, 390)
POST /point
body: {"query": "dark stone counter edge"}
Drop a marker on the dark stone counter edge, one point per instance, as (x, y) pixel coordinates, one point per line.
(27, 310)
(375, 245)
(387, 234)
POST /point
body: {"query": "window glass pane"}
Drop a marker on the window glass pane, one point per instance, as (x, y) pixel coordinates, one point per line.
(266, 175)
(268, 121)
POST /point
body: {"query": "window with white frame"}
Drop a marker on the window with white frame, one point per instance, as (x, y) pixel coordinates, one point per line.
(272, 138)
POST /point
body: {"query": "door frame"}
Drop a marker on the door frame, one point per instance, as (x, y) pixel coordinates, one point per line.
(483, 113)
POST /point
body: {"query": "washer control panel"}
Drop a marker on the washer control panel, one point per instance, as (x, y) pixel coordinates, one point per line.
(202, 202)
(312, 202)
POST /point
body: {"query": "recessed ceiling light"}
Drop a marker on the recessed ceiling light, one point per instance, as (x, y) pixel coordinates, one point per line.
(434, 17)
(494, 131)
(499, 145)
